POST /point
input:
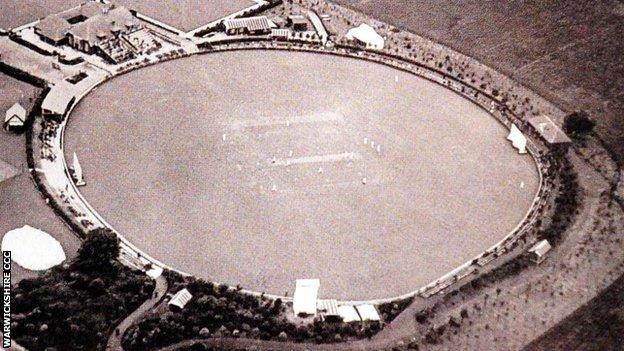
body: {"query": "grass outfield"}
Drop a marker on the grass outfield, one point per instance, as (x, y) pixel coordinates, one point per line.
(570, 51)
(252, 176)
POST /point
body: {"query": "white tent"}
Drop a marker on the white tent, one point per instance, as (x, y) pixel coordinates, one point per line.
(366, 35)
(306, 293)
(518, 140)
(32, 248)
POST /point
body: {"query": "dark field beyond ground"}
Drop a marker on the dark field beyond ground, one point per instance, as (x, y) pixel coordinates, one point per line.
(569, 51)
(602, 330)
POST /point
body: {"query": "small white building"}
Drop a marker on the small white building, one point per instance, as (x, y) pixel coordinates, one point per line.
(539, 250)
(348, 314)
(280, 34)
(15, 117)
(180, 299)
(367, 36)
(368, 313)
(306, 294)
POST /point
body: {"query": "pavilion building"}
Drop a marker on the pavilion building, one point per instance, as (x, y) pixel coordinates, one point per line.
(93, 28)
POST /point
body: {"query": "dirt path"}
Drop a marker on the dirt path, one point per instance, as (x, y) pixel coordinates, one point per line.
(114, 341)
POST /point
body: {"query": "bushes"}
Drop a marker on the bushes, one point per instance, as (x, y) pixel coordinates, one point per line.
(566, 204)
(389, 311)
(215, 310)
(100, 248)
(578, 123)
(72, 307)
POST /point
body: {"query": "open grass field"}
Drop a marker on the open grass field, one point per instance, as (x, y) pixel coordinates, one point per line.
(14, 13)
(21, 204)
(602, 329)
(187, 14)
(252, 176)
(570, 51)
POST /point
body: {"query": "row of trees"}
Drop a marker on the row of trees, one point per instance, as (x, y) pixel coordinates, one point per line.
(75, 306)
(567, 202)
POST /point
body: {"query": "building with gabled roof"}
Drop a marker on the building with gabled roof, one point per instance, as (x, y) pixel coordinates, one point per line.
(249, 25)
(539, 250)
(548, 130)
(93, 28)
(109, 25)
(18, 93)
(280, 34)
(328, 310)
(348, 314)
(53, 29)
(15, 117)
(57, 101)
(180, 299)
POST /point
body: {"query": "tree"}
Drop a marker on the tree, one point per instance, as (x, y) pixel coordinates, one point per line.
(100, 247)
(578, 123)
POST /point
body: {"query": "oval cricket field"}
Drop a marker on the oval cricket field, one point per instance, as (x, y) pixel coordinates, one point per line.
(261, 167)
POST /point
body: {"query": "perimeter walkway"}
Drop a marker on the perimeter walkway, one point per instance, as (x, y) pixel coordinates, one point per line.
(114, 341)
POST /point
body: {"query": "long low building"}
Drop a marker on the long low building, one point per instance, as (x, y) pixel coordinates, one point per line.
(249, 25)
(57, 102)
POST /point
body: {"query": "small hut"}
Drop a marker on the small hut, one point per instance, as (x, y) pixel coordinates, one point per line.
(15, 117)
(539, 250)
(180, 299)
